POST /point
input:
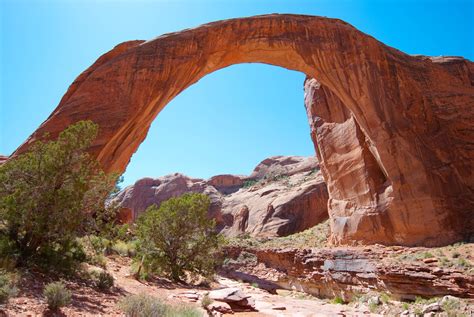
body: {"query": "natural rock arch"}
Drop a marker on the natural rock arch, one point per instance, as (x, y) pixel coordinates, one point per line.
(410, 117)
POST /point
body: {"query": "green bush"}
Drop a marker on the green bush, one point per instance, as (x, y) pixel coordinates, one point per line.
(57, 295)
(124, 248)
(249, 183)
(147, 306)
(337, 300)
(98, 260)
(100, 245)
(142, 305)
(206, 301)
(103, 280)
(178, 237)
(50, 195)
(7, 287)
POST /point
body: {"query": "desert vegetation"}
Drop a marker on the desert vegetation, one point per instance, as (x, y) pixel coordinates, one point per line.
(56, 216)
(59, 224)
(49, 197)
(178, 237)
(146, 305)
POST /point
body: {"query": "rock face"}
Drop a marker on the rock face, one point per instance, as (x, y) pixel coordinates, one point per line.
(331, 272)
(395, 130)
(282, 196)
(152, 191)
(3, 159)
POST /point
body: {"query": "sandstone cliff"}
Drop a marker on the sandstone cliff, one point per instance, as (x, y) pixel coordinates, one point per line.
(282, 196)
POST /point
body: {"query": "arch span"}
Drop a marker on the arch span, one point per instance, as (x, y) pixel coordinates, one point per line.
(410, 155)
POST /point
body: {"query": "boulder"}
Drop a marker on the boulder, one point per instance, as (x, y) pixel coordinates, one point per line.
(431, 308)
(234, 297)
(219, 307)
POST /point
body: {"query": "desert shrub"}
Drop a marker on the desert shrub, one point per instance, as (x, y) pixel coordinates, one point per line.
(122, 232)
(372, 307)
(103, 280)
(249, 183)
(57, 295)
(337, 300)
(206, 301)
(182, 311)
(143, 305)
(451, 306)
(98, 260)
(52, 194)
(7, 287)
(100, 245)
(178, 237)
(124, 248)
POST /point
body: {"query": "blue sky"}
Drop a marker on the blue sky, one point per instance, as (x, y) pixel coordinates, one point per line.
(231, 119)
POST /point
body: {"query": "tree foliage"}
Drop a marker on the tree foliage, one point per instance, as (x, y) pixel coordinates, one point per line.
(52, 194)
(178, 237)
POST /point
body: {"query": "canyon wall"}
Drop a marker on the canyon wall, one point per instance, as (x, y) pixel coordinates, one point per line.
(394, 132)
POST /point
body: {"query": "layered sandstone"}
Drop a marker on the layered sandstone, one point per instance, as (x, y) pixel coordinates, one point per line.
(348, 272)
(283, 195)
(394, 132)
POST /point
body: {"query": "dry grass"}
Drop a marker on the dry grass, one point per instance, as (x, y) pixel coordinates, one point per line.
(459, 256)
(315, 237)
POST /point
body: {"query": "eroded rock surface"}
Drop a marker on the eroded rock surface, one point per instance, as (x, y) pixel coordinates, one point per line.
(401, 126)
(283, 195)
(3, 158)
(337, 272)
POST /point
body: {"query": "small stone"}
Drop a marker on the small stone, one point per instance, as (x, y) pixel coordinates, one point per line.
(279, 308)
(430, 260)
(405, 313)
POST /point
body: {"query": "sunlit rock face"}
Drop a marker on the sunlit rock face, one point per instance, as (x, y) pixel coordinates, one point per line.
(420, 203)
(395, 130)
(282, 196)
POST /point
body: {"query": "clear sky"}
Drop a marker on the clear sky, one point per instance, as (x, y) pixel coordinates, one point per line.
(231, 119)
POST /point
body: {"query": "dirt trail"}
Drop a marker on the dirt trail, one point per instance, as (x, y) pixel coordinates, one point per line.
(89, 302)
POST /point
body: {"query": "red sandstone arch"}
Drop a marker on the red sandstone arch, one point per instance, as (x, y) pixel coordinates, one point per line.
(410, 118)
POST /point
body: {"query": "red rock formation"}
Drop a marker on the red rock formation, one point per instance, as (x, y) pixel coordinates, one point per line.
(3, 158)
(346, 272)
(297, 198)
(145, 192)
(226, 184)
(410, 126)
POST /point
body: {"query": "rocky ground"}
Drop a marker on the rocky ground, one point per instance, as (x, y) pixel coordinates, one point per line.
(387, 280)
(259, 279)
(87, 301)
